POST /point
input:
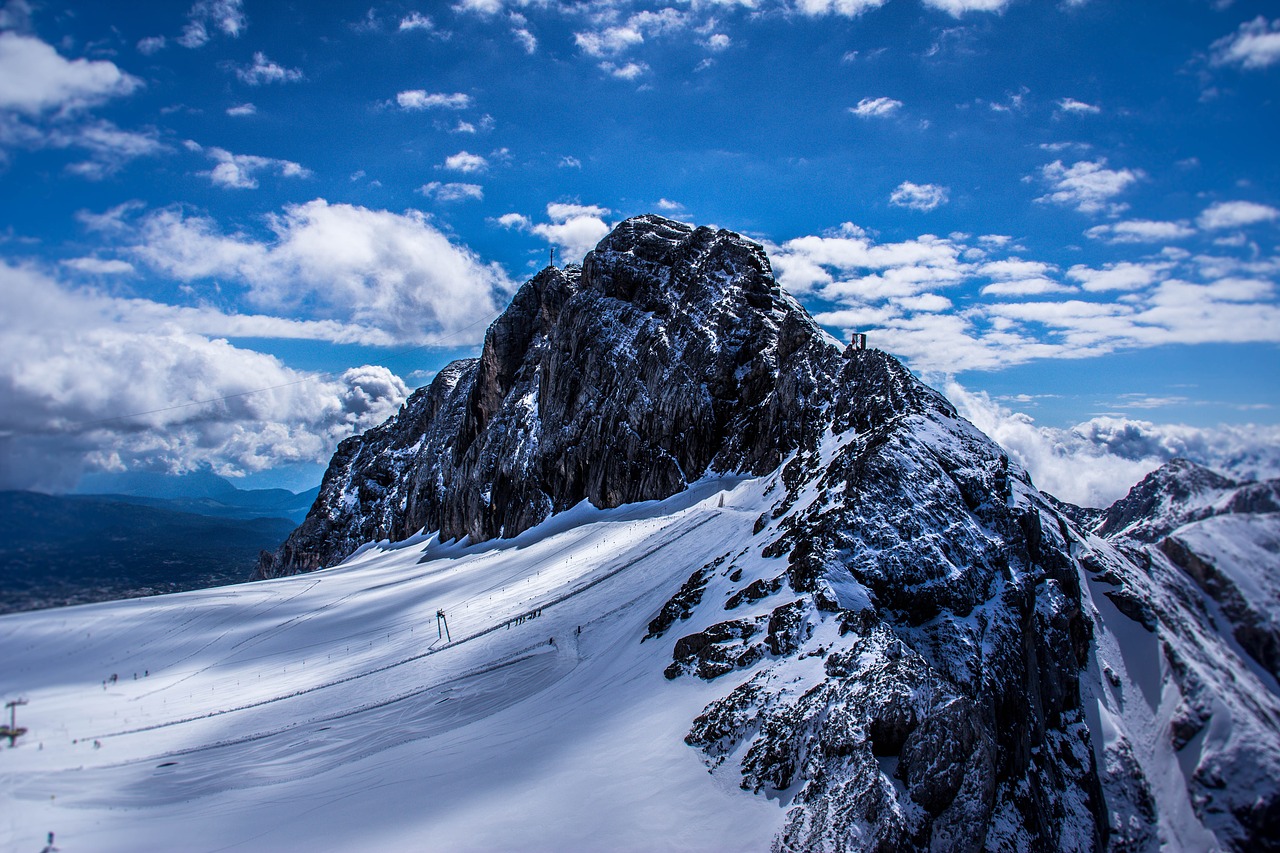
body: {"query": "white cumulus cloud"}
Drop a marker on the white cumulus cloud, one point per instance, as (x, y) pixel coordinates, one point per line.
(1096, 462)
(1235, 214)
(77, 369)
(625, 71)
(924, 197)
(1140, 231)
(35, 78)
(465, 162)
(1086, 185)
(575, 228)
(1256, 44)
(380, 270)
(421, 99)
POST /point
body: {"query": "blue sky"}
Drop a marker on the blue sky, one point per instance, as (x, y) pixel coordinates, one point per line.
(1065, 214)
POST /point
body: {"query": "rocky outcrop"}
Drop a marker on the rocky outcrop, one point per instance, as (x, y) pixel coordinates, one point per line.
(948, 712)
(671, 352)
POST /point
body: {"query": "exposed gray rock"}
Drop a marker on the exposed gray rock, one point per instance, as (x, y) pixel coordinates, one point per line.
(681, 605)
(718, 650)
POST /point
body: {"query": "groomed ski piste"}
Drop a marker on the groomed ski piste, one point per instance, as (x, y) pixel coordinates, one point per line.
(324, 712)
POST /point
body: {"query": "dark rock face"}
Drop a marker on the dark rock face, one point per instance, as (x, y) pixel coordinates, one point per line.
(682, 604)
(718, 650)
(362, 495)
(948, 715)
(671, 352)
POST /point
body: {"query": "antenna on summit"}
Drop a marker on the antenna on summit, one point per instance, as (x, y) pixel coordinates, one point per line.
(553, 256)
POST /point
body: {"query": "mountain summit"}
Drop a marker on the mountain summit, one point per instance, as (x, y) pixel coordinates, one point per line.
(667, 566)
(670, 353)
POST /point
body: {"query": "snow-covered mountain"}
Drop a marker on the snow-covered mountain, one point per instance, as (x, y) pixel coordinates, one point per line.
(722, 584)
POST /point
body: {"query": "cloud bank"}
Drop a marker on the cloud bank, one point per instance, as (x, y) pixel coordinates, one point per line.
(1095, 463)
(77, 368)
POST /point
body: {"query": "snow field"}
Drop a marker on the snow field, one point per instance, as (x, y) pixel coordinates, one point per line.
(322, 711)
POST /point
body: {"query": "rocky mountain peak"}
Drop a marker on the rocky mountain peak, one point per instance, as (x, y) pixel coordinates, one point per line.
(664, 266)
(669, 353)
(1162, 500)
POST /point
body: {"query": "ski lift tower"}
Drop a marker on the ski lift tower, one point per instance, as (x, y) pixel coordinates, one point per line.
(442, 626)
(13, 730)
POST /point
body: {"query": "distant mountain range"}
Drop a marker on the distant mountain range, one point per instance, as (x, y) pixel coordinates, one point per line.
(156, 534)
(200, 492)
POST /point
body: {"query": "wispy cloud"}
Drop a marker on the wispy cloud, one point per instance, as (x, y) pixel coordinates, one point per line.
(876, 107)
(240, 171)
(223, 16)
(416, 21)
(451, 192)
(847, 8)
(1071, 105)
(263, 71)
(957, 8)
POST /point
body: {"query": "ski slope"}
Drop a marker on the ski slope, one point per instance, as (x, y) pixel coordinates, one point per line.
(324, 712)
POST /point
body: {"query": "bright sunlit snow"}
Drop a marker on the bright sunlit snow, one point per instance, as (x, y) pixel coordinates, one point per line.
(323, 712)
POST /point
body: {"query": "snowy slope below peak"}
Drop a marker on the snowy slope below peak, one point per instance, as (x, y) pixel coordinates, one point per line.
(322, 711)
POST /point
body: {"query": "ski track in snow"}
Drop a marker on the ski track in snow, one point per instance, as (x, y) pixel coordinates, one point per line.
(322, 711)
